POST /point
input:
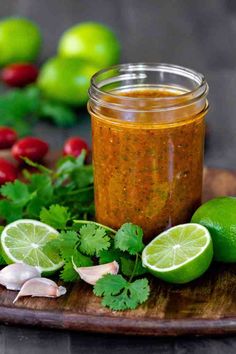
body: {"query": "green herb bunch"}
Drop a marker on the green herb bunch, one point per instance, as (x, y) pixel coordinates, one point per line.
(70, 186)
(22, 108)
(87, 243)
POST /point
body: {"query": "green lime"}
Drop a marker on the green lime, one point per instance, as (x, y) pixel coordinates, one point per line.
(91, 41)
(219, 217)
(66, 80)
(180, 254)
(20, 40)
(23, 241)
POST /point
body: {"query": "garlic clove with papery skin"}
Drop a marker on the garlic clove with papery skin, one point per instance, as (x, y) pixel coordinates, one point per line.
(41, 287)
(92, 274)
(15, 275)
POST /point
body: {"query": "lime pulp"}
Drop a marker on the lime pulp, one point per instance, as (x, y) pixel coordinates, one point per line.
(180, 254)
(24, 241)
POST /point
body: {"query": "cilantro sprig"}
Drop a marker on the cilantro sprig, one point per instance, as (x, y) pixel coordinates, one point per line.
(56, 197)
(78, 247)
(87, 243)
(117, 292)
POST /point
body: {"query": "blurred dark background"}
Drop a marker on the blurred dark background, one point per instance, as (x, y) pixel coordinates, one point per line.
(198, 34)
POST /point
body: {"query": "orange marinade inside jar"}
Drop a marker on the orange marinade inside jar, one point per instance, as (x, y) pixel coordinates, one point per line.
(147, 174)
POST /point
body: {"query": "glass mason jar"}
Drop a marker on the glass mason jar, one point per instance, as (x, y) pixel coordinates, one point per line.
(148, 144)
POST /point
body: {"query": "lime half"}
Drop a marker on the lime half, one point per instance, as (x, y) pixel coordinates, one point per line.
(180, 254)
(23, 241)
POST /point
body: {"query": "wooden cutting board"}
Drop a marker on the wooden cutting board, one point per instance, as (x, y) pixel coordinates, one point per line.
(206, 306)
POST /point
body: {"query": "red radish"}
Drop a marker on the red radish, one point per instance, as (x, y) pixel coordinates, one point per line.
(19, 74)
(33, 148)
(74, 146)
(8, 172)
(8, 137)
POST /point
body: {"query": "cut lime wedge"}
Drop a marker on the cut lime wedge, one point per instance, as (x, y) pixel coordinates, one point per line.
(180, 254)
(23, 241)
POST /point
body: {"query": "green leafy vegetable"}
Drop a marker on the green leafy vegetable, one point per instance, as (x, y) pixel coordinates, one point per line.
(66, 246)
(10, 211)
(17, 192)
(22, 108)
(130, 267)
(2, 260)
(129, 238)
(93, 239)
(58, 113)
(68, 273)
(110, 255)
(70, 187)
(56, 216)
(18, 107)
(118, 294)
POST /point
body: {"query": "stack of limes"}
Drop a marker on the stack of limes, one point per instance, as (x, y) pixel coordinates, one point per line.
(82, 50)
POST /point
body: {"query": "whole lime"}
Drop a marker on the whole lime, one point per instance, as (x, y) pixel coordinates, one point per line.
(91, 41)
(20, 40)
(219, 217)
(66, 80)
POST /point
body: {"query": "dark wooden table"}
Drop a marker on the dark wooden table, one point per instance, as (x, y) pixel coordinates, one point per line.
(199, 34)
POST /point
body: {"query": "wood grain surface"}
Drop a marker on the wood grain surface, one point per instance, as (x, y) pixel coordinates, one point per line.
(206, 306)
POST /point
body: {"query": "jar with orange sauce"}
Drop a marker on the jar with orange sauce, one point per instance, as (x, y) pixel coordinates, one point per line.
(148, 132)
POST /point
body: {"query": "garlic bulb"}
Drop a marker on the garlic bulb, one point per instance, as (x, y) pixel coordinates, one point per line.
(92, 274)
(41, 287)
(15, 275)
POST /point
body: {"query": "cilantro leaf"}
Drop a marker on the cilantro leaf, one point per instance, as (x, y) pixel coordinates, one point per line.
(17, 192)
(68, 274)
(9, 211)
(119, 295)
(129, 238)
(42, 184)
(41, 190)
(58, 113)
(109, 284)
(109, 255)
(127, 267)
(2, 260)
(72, 169)
(68, 164)
(93, 239)
(80, 260)
(56, 216)
(68, 244)
(65, 245)
(18, 108)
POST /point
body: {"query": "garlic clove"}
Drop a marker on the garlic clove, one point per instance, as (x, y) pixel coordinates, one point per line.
(92, 274)
(41, 287)
(15, 275)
